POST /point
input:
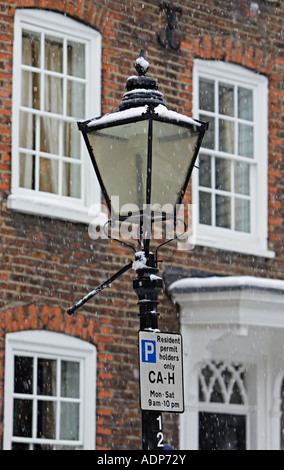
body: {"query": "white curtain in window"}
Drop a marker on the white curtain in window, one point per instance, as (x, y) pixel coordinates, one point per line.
(26, 128)
(47, 128)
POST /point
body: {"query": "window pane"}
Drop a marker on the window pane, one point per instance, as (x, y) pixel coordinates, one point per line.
(76, 59)
(49, 136)
(44, 447)
(46, 380)
(54, 54)
(223, 211)
(71, 184)
(205, 171)
(200, 392)
(206, 94)
(242, 215)
(70, 379)
(205, 208)
(75, 99)
(223, 174)
(207, 374)
(246, 141)
(48, 181)
(31, 49)
(226, 99)
(242, 178)
(22, 422)
(226, 136)
(19, 446)
(69, 421)
(27, 130)
(236, 396)
(27, 171)
(72, 140)
(30, 96)
(216, 394)
(23, 375)
(209, 137)
(53, 94)
(222, 431)
(46, 419)
(245, 104)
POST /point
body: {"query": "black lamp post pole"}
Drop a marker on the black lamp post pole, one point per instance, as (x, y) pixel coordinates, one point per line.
(147, 286)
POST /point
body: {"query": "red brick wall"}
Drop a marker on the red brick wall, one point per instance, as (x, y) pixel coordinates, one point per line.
(46, 265)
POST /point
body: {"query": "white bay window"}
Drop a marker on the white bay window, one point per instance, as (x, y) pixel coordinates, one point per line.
(232, 331)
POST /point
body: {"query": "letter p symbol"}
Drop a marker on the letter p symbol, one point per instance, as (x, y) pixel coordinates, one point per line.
(148, 351)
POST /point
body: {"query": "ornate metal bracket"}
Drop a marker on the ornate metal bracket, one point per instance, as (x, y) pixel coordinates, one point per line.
(166, 33)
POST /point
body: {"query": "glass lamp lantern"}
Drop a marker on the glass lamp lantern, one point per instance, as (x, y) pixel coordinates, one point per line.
(143, 154)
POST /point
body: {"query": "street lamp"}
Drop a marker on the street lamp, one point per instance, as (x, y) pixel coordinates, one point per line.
(143, 156)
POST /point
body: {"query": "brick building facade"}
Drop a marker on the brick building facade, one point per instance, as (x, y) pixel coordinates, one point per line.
(49, 261)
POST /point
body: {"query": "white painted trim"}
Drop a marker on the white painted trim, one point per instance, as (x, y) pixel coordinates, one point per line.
(53, 208)
(232, 300)
(218, 283)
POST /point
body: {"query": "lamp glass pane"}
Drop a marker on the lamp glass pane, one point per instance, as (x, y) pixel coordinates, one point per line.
(120, 153)
(173, 151)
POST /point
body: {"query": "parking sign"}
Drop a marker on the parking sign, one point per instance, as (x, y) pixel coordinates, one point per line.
(161, 371)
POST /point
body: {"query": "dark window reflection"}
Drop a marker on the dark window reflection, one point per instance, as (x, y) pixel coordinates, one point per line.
(23, 382)
(222, 431)
(22, 423)
(46, 380)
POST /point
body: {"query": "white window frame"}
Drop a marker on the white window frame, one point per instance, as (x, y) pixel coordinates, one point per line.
(53, 345)
(255, 242)
(41, 203)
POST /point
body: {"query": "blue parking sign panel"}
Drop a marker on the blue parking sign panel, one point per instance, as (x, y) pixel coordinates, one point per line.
(148, 351)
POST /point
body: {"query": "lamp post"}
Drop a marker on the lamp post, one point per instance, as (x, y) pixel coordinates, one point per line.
(143, 156)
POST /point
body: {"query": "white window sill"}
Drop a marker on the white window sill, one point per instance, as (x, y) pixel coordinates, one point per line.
(238, 243)
(66, 210)
(53, 208)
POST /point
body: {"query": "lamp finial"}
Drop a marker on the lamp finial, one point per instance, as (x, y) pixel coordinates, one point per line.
(141, 90)
(142, 64)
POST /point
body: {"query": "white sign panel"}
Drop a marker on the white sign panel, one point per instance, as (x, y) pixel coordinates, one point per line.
(161, 371)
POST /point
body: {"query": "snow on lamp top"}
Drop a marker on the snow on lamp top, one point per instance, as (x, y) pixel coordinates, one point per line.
(141, 99)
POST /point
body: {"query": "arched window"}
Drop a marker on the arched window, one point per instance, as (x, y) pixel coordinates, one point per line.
(50, 392)
(222, 406)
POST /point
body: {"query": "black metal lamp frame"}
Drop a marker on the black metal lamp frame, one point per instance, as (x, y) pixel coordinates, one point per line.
(150, 116)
